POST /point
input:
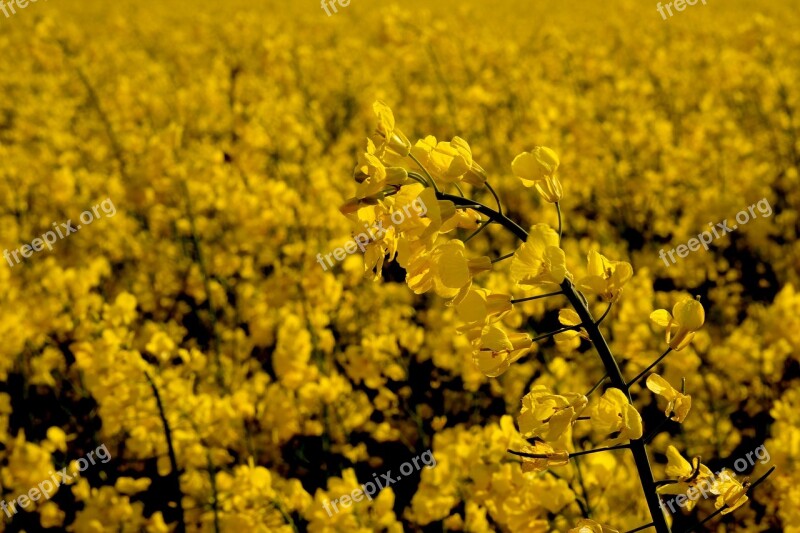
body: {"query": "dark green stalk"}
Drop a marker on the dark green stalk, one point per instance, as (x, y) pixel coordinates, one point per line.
(175, 475)
(612, 368)
(615, 374)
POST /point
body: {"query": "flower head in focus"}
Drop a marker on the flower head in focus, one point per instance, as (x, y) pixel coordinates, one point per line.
(538, 169)
(547, 415)
(391, 143)
(687, 317)
(551, 457)
(539, 262)
(446, 161)
(605, 278)
(731, 494)
(615, 413)
(570, 340)
(678, 404)
(445, 269)
(689, 475)
(496, 350)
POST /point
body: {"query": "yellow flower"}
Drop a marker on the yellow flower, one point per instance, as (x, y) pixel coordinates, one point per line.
(445, 269)
(569, 340)
(679, 404)
(689, 476)
(539, 262)
(475, 176)
(390, 141)
(590, 526)
(547, 415)
(605, 278)
(446, 161)
(537, 169)
(731, 493)
(481, 306)
(540, 464)
(374, 177)
(436, 217)
(615, 413)
(496, 350)
(687, 317)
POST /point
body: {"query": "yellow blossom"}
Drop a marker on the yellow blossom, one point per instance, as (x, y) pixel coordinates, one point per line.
(537, 169)
(547, 415)
(678, 404)
(496, 350)
(687, 317)
(615, 413)
(605, 278)
(539, 262)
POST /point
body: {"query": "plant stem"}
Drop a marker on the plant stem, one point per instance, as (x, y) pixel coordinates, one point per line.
(646, 370)
(502, 257)
(612, 368)
(574, 454)
(520, 300)
(556, 332)
(498, 217)
(496, 198)
(477, 231)
(750, 489)
(175, 475)
(615, 374)
(558, 210)
(425, 170)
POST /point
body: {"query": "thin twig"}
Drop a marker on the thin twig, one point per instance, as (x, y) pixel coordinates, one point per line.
(594, 387)
(562, 330)
(503, 257)
(646, 370)
(520, 300)
(574, 454)
(477, 231)
(599, 320)
(173, 461)
(558, 210)
(496, 198)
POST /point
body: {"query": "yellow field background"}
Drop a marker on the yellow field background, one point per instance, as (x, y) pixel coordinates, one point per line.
(226, 136)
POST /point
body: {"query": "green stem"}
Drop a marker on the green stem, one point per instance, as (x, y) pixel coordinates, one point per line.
(556, 332)
(574, 454)
(425, 170)
(558, 210)
(646, 370)
(615, 374)
(498, 217)
(520, 300)
(612, 368)
(502, 257)
(496, 198)
(477, 231)
(173, 461)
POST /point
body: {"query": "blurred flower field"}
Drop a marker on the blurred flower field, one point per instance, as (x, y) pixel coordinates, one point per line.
(238, 386)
